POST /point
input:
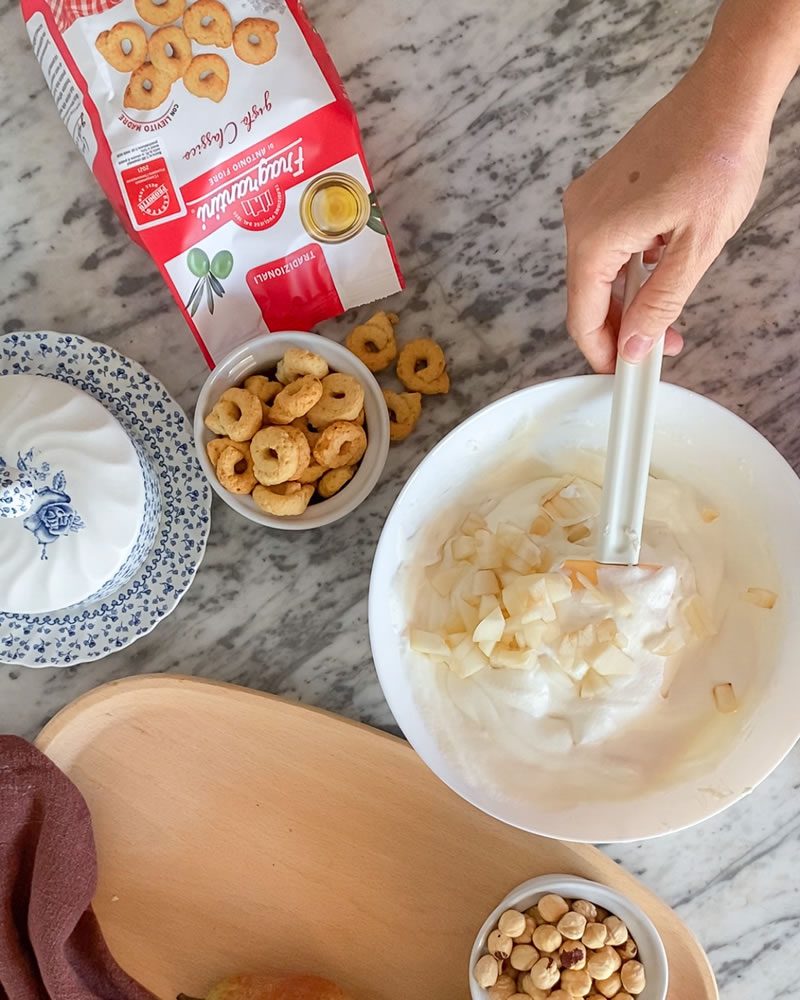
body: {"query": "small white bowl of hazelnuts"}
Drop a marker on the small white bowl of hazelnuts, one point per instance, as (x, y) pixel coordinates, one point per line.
(560, 937)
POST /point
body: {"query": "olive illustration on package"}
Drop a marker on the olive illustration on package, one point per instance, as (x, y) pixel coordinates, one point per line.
(210, 274)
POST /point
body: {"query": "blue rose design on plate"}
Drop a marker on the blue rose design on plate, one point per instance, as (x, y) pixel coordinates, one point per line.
(51, 514)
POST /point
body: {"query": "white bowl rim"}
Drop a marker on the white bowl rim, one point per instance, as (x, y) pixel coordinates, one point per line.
(355, 492)
(573, 887)
(448, 774)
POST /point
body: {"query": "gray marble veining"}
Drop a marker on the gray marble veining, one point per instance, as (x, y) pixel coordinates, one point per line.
(475, 117)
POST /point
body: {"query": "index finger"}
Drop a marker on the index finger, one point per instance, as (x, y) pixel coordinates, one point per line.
(588, 306)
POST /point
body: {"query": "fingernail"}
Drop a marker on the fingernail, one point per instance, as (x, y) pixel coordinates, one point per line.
(637, 348)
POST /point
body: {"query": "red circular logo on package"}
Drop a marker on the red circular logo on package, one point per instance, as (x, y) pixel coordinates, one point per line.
(153, 199)
(260, 210)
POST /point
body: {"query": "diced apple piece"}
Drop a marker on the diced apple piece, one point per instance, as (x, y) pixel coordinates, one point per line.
(467, 659)
(513, 659)
(725, 699)
(567, 650)
(454, 639)
(572, 505)
(464, 548)
(469, 616)
(612, 662)
(761, 598)
(578, 670)
(534, 633)
(515, 562)
(529, 552)
(490, 628)
(606, 630)
(578, 533)
(444, 581)
(429, 643)
(489, 553)
(515, 597)
(698, 618)
(487, 647)
(485, 582)
(541, 525)
(593, 684)
(558, 587)
(471, 524)
(488, 603)
(561, 484)
(666, 643)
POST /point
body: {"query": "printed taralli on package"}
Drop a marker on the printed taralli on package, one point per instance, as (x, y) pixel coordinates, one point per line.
(223, 136)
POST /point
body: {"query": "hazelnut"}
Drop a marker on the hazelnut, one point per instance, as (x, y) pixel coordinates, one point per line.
(547, 938)
(544, 975)
(536, 917)
(552, 908)
(572, 955)
(572, 925)
(633, 978)
(487, 971)
(595, 935)
(518, 996)
(602, 913)
(529, 990)
(623, 996)
(504, 988)
(603, 963)
(586, 909)
(628, 950)
(526, 936)
(617, 931)
(560, 995)
(523, 957)
(609, 987)
(512, 923)
(499, 944)
(576, 982)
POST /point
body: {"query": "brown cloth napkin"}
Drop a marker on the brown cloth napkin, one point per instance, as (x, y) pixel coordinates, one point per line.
(50, 942)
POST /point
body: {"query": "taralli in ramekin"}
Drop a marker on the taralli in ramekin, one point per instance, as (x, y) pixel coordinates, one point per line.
(342, 399)
(284, 450)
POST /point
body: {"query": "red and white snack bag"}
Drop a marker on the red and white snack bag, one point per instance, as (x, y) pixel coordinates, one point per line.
(222, 134)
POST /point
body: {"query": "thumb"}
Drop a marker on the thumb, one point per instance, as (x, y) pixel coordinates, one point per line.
(661, 299)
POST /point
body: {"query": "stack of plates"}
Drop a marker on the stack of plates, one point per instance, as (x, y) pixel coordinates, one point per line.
(104, 509)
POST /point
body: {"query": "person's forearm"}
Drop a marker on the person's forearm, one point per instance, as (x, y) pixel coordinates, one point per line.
(753, 52)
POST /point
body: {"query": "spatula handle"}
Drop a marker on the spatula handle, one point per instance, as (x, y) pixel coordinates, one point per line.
(630, 443)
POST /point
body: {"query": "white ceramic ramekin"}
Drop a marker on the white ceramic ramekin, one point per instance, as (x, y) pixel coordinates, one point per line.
(261, 355)
(651, 948)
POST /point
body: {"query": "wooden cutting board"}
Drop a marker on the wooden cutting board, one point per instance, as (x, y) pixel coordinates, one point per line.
(239, 832)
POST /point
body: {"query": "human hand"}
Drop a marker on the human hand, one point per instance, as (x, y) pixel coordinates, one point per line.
(683, 178)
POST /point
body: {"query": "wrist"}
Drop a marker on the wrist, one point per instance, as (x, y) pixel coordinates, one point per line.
(752, 54)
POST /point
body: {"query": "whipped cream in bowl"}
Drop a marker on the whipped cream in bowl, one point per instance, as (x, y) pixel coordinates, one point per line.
(583, 702)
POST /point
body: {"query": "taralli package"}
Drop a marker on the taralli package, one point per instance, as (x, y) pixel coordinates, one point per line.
(223, 136)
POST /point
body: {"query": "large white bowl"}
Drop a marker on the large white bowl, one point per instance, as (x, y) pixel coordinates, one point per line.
(697, 442)
(262, 354)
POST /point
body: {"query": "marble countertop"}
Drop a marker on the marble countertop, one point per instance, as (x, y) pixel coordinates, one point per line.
(473, 127)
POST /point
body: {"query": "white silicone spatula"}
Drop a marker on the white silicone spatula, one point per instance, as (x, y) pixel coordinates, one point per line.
(630, 443)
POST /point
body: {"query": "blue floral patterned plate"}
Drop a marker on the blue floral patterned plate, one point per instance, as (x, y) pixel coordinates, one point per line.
(158, 561)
